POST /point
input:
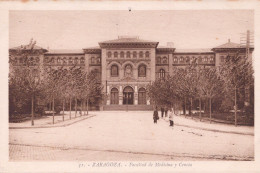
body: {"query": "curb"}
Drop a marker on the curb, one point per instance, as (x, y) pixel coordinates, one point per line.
(48, 126)
(214, 130)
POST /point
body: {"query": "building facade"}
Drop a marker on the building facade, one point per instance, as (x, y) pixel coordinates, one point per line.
(125, 66)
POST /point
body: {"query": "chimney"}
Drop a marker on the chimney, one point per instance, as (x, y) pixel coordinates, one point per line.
(170, 44)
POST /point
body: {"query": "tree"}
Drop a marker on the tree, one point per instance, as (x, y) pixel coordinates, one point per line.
(237, 74)
(26, 78)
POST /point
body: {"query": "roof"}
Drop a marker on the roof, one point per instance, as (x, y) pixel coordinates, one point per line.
(65, 51)
(229, 45)
(128, 40)
(96, 47)
(27, 47)
(193, 51)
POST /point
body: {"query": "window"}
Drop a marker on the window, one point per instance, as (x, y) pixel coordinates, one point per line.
(206, 59)
(211, 59)
(122, 54)
(114, 96)
(58, 60)
(64, 60)
(142, 71)
(187, 59)
(92, 60)
(141, 54)
(175, 59)
(115, 54)
(109, 54)
(134, 54)
(158, 60)
(98, 60)
(70, 60)
(114, 70)
(162, 74)
(128, 55)
(147, 54)
(181, 59)
(164, 60)
(76, 60)
(82, 60)
(141, 96)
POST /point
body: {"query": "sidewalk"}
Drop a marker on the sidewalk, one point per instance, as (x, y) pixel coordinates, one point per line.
(47, 122)
(213, 126)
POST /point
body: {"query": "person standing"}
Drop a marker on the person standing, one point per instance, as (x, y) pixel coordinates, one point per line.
(171, 117)
(162, 111)
(166, 111)
(155, 116)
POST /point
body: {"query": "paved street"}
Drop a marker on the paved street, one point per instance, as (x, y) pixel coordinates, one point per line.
(130, 136)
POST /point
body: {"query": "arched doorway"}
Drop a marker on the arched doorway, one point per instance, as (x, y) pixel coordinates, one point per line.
(128, 96)
(142, 96)
(114, 96)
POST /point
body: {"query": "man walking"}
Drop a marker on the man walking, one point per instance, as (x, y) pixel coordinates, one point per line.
(162, 111)
(155, 116)
(171, 117)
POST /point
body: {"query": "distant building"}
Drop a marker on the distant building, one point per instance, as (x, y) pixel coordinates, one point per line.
(126, 65)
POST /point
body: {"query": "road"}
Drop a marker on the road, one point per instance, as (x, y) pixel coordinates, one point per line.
(126, 136)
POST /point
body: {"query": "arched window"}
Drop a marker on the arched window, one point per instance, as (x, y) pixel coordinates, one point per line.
(122, 54)
(114, 70)
(181, 59)
(134, 54)
(115, 54)
(147, 54)
(175, 59)
(187, 59)
(206, 59)
(76, 60)
(109, 54)
(65, 60)
(128, 54)
(82, 60)
(141, 54)
(92, 60)
(58, 60)
(162, 74)
(164, 60)
(114, 96)
(142, 96)
(142, 71)
(70, 60)
(98, 60)
(158, 60)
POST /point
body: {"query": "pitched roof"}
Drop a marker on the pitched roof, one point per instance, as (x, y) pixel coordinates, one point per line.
(26, 47)
(128, 40)
(65, 51)
(228, 45)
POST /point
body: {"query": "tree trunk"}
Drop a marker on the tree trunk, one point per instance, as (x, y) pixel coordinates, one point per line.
(210, 117)
(81, 107)
(70, 108)
(87, 105)
(191, 108)
(200, 107)
(52, 110)
(185, 107)
(76, 102)
(63, 110)
(84, 105)
(32, 123)
(235, 106)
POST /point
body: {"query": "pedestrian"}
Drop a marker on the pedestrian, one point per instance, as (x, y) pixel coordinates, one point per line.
(155, 116)
(162, 111)
(166, 111)
(171, 117)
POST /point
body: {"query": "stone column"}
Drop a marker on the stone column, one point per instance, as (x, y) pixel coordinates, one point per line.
(108, 95)
(135, 96)
(170, 64)
(120, 95)
(103, 73)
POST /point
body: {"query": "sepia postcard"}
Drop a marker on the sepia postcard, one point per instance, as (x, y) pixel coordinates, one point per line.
(128, 86)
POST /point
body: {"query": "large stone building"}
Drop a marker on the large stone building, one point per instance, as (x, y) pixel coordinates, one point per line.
(127, 64)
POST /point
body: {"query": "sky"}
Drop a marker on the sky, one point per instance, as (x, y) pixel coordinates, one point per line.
(187, 29)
